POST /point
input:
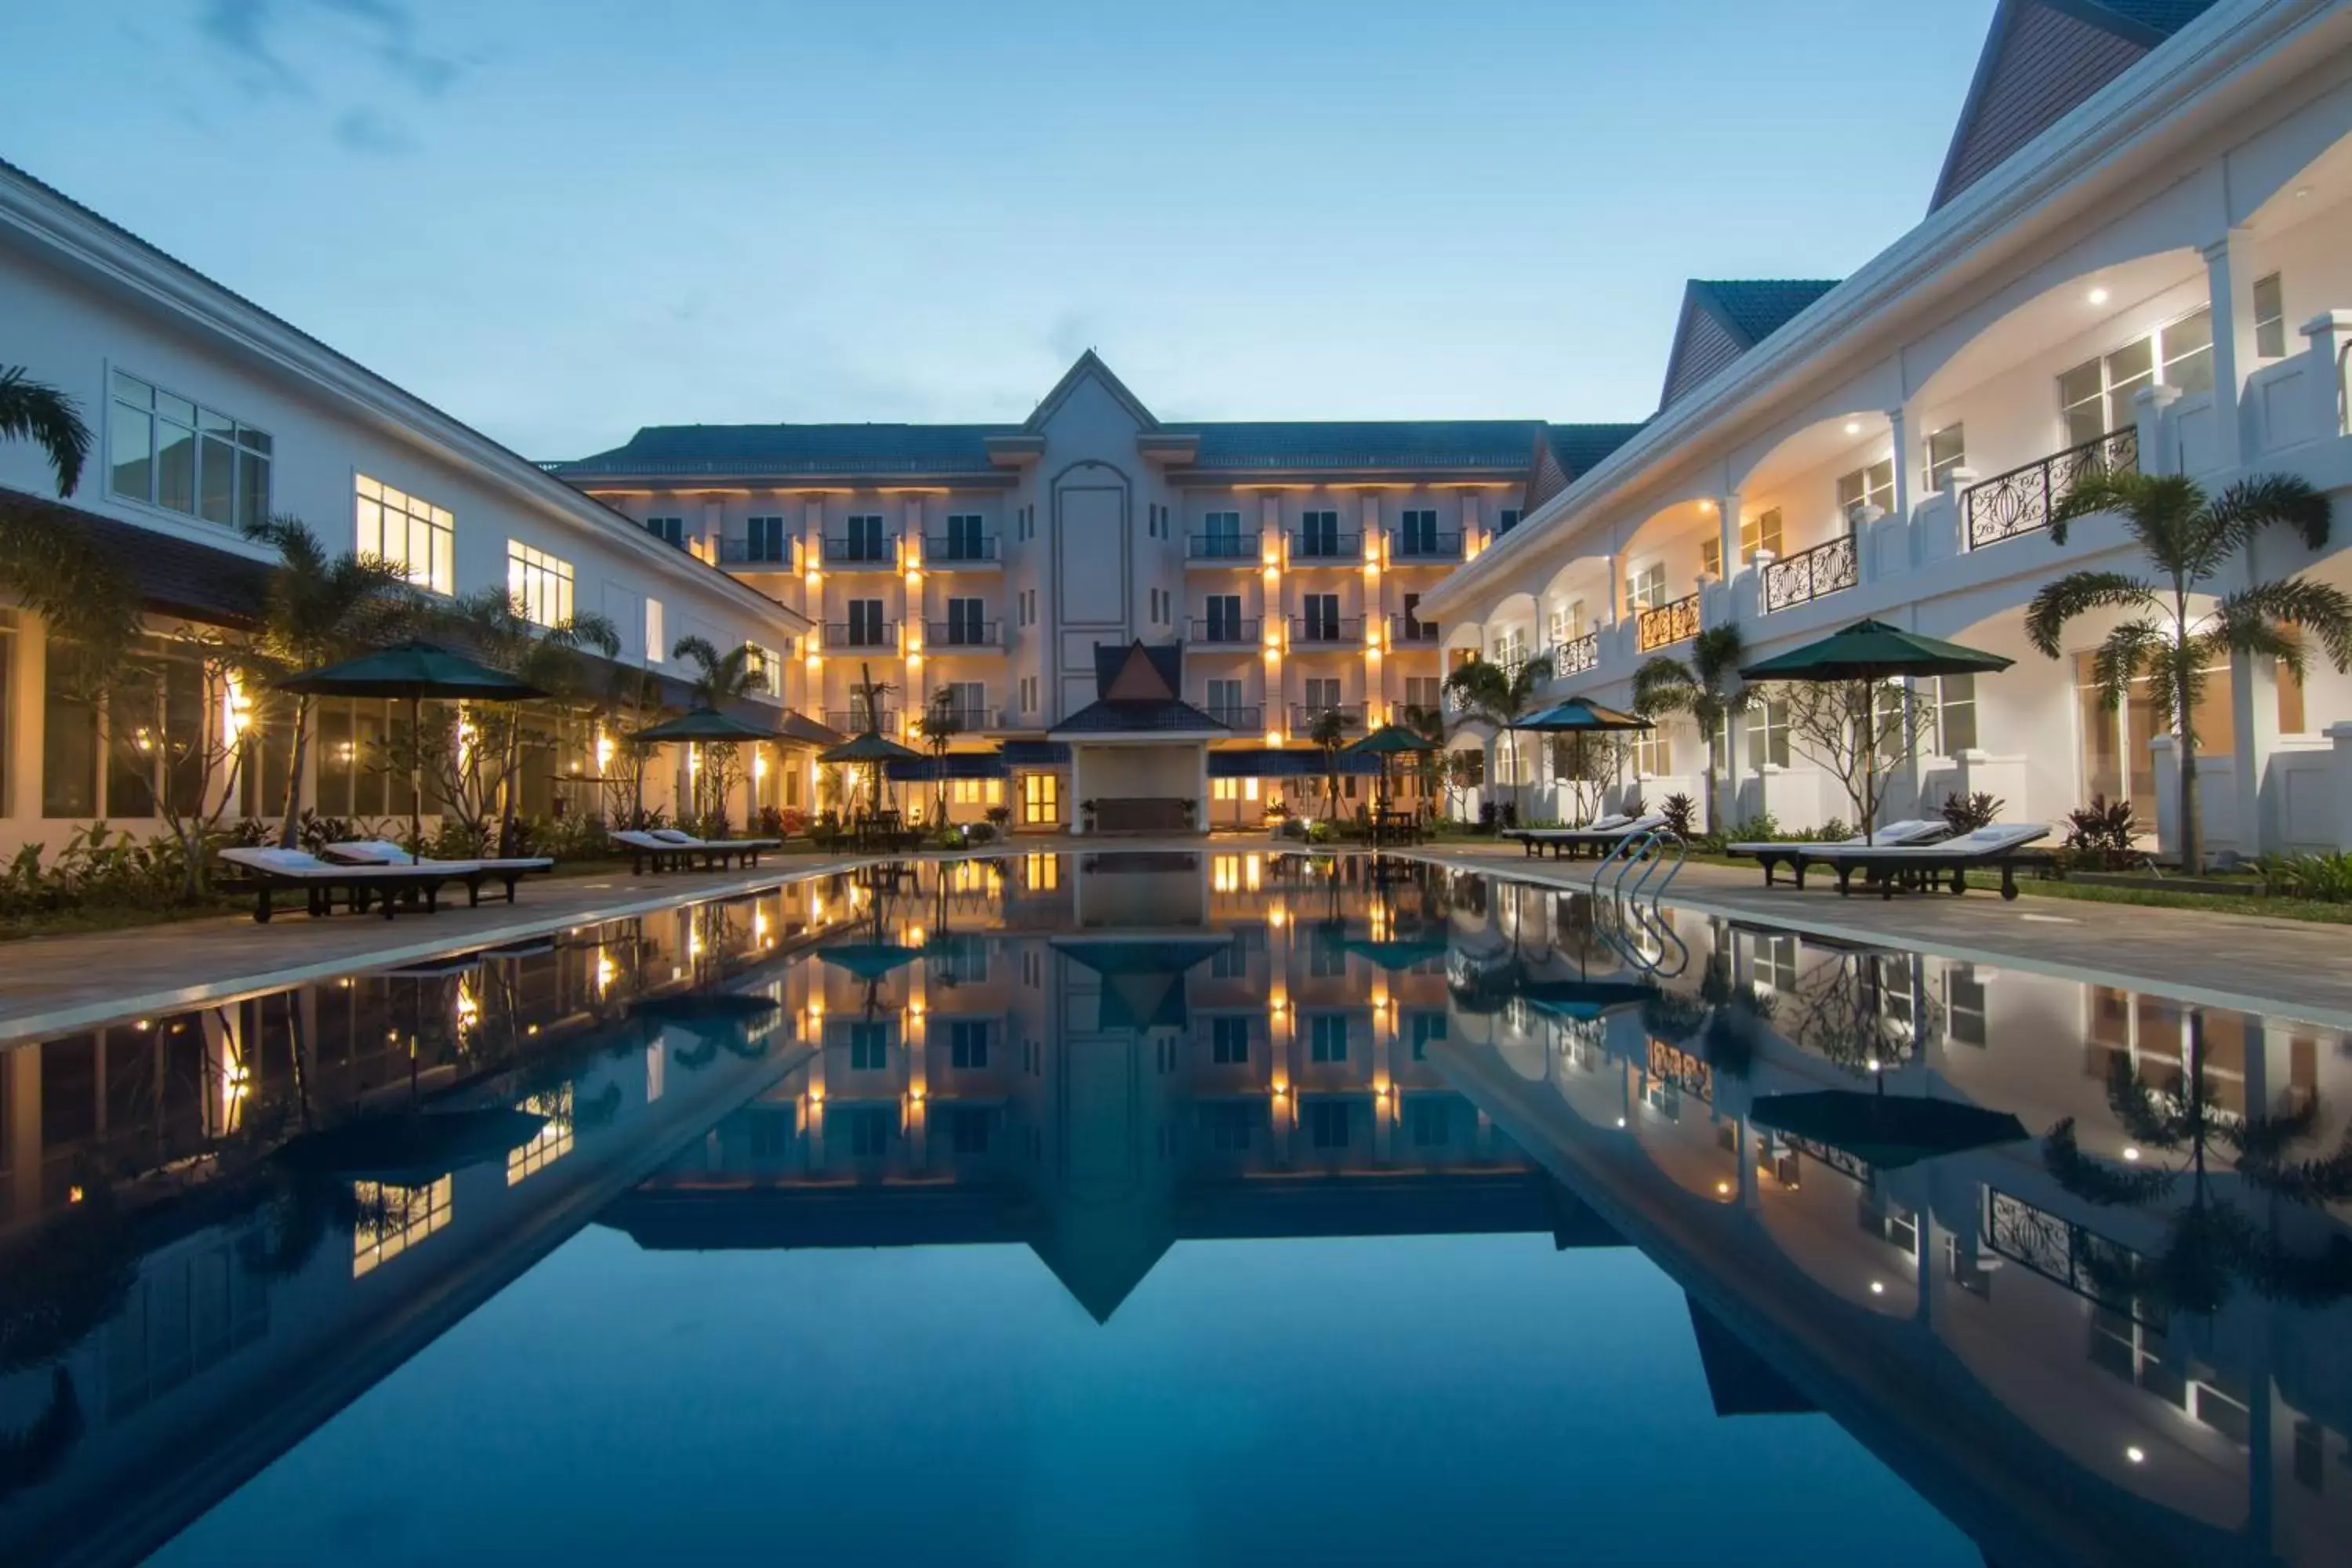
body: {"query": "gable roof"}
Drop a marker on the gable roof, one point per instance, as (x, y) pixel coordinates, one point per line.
(2041, 58)
(1137, 674)
(1723, 318)
(1563, 452)
(1088, 366)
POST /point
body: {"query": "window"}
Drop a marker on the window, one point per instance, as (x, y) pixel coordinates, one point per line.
(1768, 735)
(975, 791)
(2096, 396)
(392, 1219)
(1322, 694)
(1759, 532)
(968, 1129)
(1421, 691)
(763, 538)
(1318, 534)
(1431, 1121)
(862, 540)
(1873, 486)
(1646, 589)
(965, 541)
(167, 451)
(968, 1044)
(1653, 755)
(70, 733)
(869, 1132)
(1506, 519)
(1319, 619)
(1952, 700)
(671, 530)
(865, 623)
(1775, 963)
(1425, 1027)
(870, 1047)
(540, 584)
(1325, 959)
(1229, 1041)
(656, 646)
(763, 662)
(1417, 532)
(1041, 798)
(414, 536)
(1225, 618)
(1225, 701)
(1326, 1123)
(1329, 1037)
(2270, 317)
(966, 628)
(1226, 1125)
(2188, 347)
(967, 703)
(1947, 449)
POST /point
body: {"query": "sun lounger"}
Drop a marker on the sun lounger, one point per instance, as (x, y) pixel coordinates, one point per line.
(506, 870)
(1797, 855)
(1926, 866)
(1535, 840)
(1606, 833)
(667, 849)
(272, 870)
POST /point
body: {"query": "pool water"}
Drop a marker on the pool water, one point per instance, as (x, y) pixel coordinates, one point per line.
(1178, 1207)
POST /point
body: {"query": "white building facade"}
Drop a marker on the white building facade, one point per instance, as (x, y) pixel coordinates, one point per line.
(2156, 276)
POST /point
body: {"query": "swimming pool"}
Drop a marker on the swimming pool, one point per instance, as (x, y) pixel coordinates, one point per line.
(1185, 1206)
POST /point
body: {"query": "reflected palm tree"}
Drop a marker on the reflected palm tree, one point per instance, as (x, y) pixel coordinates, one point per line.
(65, 1282)
(31, 1454)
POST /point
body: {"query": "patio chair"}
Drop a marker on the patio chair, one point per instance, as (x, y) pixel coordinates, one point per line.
(1608, 832)
(273, 869)
(506, 870)
(1797, 855)
(667, 849)
(1922, 866)
(1535, 840)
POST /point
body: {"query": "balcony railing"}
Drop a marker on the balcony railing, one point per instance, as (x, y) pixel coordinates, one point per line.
(1225, 631)
(1810, 573)
(1668, 623)
(2020, 500)
(1303, 715)
(853, 553)
(963, 634)
(1577, 653)
(753, 552)
(1314, 544)
(1241, 549)
(1248, 721)
(964, 721)
(853, 720)
(861, 634)
(1326, 632)
(1405, 631)
(947, 550)
(1407, 546)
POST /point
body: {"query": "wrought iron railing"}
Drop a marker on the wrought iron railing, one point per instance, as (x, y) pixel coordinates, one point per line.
(1406, 630)
(1577, 653)
(1809, 573)
(756, 553)
(964, 721)
(1246, 719)
(1314, 545)
(1325, 629)
(1239, 548)
(851, 720)
(1673, 622)
(2020, 500)
(1303, 715)
(855, 550)
(1413, 545)
(2060, 1250)
(1226, 629)
(954, 549)
(861, 634)
(964, 634)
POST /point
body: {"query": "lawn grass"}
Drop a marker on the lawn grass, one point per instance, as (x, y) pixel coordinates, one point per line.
(2312, 909)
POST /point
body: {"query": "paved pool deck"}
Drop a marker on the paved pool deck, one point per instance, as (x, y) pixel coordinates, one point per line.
(2295, 969)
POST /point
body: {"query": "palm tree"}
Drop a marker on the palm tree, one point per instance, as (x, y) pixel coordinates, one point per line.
(1428, 767)
(720, 679)
(1328, 731)
(1708, 690)
(940, 724)
(2190, 539)
(1493, 694)
(36, 412)
(319, 608)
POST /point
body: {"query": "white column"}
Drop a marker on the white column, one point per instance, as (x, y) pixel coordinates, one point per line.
(2224, 278)
(2253, 724)
(2340, 736)
(1076, 816)
(1728, 519)
(1907, 464)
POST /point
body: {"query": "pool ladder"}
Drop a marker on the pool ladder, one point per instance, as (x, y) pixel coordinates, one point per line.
(1639, 858)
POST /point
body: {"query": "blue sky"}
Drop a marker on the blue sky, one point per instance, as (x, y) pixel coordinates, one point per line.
(560, 221)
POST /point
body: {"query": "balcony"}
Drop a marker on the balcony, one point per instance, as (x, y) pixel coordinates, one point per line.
(755, 554)
(1314, 547)
(1673, 622)
(853, 553)
(964, 721)
(1225, 631)
(2020, 502)
(862, 633)
(947, 637)
(958, 551)
(1576, 655)
(1406, 632)
(853, 720)
(1247, 720)
(1303, 715)
(1323, 631)
(1421, 546)
(1221, 549)
(1809, 575)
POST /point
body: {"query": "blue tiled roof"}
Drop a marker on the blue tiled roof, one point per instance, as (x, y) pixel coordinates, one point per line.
(2166, 16)
(789, 449)
(1579, 447)
(1355, 444)
(1284, 763)
(1139, 719)
(1758, 307)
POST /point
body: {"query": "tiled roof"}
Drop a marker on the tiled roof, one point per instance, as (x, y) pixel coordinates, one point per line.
(1356, 444)
(1579, 447)
(2166, 16)
(1757, 307)
(1139, 719)
(1110, 657)
(1285, 763)
(181, 576)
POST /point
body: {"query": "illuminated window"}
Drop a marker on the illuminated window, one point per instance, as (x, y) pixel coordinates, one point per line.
(1042, 873)
(657, 644)
(170, 452)
(1873, 487)
(554, 1139)
(1041, 804)
(1225, 789)
(2096, 395)
(540, 584)
(1646, 588)
(408, 533)
(390, 1220)
(763, 662)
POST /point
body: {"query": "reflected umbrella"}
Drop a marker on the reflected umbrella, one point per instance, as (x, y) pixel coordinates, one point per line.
(1886, 1131)
(410, 1149)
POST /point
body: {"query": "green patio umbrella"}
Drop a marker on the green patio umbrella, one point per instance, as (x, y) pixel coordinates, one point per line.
(1579, 714)
(1866, 652)
(412, 1148)
(869, 960)
(700, 725)
(874, 748)
(1885, 1132)
(1396, 954)
(1388, 741)
(414, 671)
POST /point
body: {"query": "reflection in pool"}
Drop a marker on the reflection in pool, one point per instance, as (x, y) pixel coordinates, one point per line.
(1034, 1209)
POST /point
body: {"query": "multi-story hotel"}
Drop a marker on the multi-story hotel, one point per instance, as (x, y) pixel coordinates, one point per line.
(2134, 257)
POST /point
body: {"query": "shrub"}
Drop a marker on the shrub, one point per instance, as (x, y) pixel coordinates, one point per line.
(826, 831)
(1832, 831)
(1761, 828)
(98, 868)
(2326, 878)
(1000, 816)
(1966, 813)
(1682, 815)
(1486, 814)
(2100, 836)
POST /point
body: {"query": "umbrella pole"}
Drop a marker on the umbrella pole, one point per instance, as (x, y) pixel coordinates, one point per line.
(416, 780)
(1869, 763)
